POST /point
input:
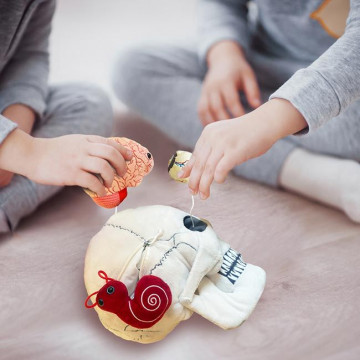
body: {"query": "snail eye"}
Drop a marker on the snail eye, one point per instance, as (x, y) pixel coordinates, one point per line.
(149, 156)
(110, 290)
(101, 302)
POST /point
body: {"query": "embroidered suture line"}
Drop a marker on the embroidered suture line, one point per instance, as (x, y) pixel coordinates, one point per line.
(125, 229)
(164, 257)
(191, 209)
(144, 245)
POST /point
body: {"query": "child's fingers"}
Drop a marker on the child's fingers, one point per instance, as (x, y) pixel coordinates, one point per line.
(251, 89)
(110, 154)
(125, 152)
(208, 174)
(100, 166)
(232, 100)
(217, 106)
(186, 171)
(91, 182)
(223, 168)
(198, 169)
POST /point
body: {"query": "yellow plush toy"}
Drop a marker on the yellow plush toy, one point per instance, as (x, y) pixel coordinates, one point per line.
(177, 163)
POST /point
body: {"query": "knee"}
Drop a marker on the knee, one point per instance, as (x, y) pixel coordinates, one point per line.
(129, 75)
(98, 109)
(88, 107)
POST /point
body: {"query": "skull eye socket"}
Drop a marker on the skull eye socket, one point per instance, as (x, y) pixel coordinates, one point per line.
(101, 302)
(110, 290)
(194, 224)
(149, 155)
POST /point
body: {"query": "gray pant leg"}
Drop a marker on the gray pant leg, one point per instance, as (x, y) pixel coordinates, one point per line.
(75, 109)
(163, 85)
(71, 109)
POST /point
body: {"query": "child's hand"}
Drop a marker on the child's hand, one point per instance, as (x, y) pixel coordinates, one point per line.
(225, 144)
(65, 160)
(228, 73)
(74, 159)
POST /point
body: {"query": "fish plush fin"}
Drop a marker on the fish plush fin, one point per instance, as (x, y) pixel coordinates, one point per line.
(112, 200)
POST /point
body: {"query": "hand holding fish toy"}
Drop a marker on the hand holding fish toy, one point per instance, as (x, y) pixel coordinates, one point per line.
(140, 165)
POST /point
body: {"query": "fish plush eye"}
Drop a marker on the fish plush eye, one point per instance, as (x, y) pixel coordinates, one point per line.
(149, 156)
(101, 302)
(110, 290)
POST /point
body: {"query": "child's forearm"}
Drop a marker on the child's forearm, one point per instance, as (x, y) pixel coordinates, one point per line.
(22, 115)
(282, 118)
(14, 152)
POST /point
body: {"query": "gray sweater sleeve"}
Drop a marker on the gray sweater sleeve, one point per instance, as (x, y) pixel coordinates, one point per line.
(24, 78)
(6, 127)
(331, 83)
(221, 20)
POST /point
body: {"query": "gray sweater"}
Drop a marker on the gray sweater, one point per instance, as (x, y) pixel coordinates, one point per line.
(25, 26)
(296, 46)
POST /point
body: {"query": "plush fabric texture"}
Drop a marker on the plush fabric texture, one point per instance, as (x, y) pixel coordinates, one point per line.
(205, 275)
(152, 297)
(140, 165)
(112, 200)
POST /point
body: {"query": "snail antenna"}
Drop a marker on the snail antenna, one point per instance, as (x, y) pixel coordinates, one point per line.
(104, 276)
(87, 301)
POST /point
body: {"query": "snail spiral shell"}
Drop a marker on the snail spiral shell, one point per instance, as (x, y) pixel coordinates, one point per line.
(152, 298)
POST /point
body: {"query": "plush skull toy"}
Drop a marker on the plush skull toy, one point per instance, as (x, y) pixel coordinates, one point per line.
(151, 267)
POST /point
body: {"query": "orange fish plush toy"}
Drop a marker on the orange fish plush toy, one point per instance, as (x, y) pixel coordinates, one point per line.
(140, 165)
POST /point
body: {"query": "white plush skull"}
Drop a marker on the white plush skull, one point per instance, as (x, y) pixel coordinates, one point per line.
(204, 274)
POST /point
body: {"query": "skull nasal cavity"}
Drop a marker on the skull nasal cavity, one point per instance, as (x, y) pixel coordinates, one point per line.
(199, 225)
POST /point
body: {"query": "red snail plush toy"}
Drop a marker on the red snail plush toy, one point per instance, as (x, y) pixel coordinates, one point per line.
(151, 299)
